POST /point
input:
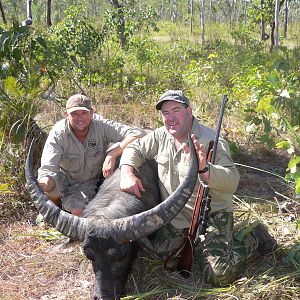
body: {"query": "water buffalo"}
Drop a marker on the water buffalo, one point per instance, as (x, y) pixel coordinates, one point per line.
(114, 221)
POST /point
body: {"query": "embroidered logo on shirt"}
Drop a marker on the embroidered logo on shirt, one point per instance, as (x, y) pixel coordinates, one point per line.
(92, 144)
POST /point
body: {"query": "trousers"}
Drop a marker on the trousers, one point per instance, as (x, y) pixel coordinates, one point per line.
(221, 255)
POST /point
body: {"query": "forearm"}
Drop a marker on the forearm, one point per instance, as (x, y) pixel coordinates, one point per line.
(51, 157)
(127, 170)
(140, 150)
(118, 150)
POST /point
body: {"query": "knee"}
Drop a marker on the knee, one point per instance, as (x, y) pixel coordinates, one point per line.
(76, 211)
(219, 275)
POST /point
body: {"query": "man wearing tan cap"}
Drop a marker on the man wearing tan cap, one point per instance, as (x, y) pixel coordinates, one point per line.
(79, 150)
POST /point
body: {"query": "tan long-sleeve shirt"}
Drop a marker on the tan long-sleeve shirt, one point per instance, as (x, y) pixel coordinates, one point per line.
(173, 166)
(63, 151)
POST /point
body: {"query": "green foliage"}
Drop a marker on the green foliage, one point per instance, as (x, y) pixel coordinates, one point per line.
(12, 174)
(234, 149)
(134, 22)
(244, 36)
(274, 104)
(293, 257)
(205, 72)
(75, 37)
(256, 12)
(293, 170)
(22, 78)
(77, 52)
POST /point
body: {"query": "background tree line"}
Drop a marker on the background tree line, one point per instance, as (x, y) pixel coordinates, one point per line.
(196, 13)
(137, 49)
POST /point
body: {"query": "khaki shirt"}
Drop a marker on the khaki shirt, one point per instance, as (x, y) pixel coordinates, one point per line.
(173, 165)
(63, 151)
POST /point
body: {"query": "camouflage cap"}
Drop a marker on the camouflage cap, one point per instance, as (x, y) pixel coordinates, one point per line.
(172, 95)
(78, 102)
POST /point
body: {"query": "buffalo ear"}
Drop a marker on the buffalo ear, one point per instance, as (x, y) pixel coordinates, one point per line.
(89, 247)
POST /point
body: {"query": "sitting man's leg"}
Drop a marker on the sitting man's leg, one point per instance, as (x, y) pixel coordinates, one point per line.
(221, 256)
(75, 195)
(215, 254)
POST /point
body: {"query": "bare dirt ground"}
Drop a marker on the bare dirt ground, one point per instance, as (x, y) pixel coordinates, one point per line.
(33, 266)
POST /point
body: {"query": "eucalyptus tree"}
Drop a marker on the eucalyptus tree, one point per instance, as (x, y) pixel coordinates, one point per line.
(276, 24)
(118, 6)
(28, 20)
(202, 23)
(190, 8)
(263, 22)
(261, 11)
(48, 13)
(286, 14)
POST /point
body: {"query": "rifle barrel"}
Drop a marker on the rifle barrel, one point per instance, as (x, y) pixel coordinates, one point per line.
(224, 100)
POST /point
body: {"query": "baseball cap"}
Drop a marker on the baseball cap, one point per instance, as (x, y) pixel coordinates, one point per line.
(172, 95)
(78, 102)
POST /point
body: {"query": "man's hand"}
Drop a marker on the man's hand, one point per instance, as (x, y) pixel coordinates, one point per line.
(46, 183)
(112, 156)
(109, 165)
(201, 153)
(129, 182)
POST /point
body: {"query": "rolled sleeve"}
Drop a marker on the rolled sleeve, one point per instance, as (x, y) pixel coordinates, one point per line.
(223, 179)
(140, 150)
(223, 175)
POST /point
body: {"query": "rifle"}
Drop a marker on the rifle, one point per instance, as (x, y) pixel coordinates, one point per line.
(200, 213)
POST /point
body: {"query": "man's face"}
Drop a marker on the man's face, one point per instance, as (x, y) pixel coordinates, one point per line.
(177, 119)
(80, 120)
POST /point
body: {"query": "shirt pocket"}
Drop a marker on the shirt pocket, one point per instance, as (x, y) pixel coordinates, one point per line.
(183, 167)
(71, 163)
(163, 164)
(94, 160)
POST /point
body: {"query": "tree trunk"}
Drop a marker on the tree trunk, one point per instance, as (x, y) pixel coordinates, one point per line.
(245, 12)
(191, 15)
(210, 11)
(28, 20)
(276, 24)
(188, 5)
(262, 22)
(121, 21)
(202, 24)
(48, 13)
(286, 18)
(2, 13)
(174, 11)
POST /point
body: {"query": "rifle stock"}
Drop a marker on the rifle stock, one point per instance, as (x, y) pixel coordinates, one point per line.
(200, 213)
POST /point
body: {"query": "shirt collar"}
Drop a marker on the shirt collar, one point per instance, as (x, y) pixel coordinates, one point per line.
(196, 128)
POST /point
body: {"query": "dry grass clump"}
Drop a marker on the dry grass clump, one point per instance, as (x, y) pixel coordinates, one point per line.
(34, 267)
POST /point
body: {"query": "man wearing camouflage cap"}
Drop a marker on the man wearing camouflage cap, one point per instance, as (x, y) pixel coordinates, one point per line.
(219, 257)
(77, 154)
